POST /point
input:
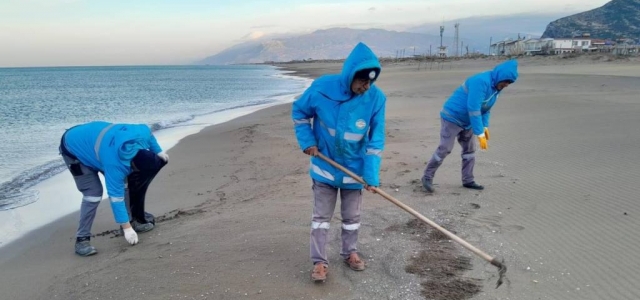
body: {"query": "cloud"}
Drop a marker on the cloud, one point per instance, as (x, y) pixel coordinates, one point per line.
(254, 35)
(372, 9)
(263, 26)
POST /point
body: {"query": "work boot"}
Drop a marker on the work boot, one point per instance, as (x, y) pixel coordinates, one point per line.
(83, 247)
(142, 227)
(149, 218)
(354, 262)
(428, 185)
(473, 185)
(319, 272)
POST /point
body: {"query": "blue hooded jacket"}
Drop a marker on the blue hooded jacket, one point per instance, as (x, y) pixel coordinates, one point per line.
(470, 105)
(348, 128)
(118, 146)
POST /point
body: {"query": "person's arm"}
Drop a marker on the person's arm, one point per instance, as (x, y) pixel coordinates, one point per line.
(155, 147)
(375, 146)
(302, 114)
(477, 88)
(115, 178)
(153, 144)
(485, 119)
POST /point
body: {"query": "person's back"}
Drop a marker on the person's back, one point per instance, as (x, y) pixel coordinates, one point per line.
(478, 91)
(118, 144)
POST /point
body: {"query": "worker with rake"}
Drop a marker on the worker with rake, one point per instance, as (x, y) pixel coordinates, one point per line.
(348, 116)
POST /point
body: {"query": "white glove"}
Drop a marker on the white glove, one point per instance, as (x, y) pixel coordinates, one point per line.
(164, 156)
(131, 236)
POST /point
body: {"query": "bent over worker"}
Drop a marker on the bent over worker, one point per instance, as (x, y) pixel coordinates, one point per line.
(129, 157)
(348, 116)
(465, 114)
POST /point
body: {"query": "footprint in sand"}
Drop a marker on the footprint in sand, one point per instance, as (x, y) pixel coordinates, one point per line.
(402, 173)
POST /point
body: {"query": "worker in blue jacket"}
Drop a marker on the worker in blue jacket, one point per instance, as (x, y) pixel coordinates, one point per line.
(129, 157)
(465, 114)
(343, 117)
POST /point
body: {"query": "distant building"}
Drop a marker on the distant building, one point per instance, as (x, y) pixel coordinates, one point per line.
(508, 47)
(538, 46)
(546, 46)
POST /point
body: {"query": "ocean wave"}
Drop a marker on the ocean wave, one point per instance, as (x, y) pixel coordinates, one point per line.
(14, 193)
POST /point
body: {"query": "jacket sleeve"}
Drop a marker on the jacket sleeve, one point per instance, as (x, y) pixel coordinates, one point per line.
(114, 178)
(375, 145)
(485, 119)
(477, 88)
(302, 113)
(153, 144)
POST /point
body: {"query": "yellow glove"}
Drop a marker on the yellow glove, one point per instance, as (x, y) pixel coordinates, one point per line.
(482, 139)
(486, 132)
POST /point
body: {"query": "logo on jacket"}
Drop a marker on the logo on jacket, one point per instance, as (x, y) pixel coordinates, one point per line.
(361, 124)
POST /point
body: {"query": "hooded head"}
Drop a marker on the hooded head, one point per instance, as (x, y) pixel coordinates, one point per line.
(130, 139)
(363, 66)
(504, 72)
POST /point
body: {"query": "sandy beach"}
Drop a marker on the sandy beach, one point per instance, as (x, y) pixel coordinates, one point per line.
(234, 204)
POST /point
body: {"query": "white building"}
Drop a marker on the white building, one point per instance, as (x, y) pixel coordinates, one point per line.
(576, 44)
(507, 47)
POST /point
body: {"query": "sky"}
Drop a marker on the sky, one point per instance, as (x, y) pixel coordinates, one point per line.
(151, 32)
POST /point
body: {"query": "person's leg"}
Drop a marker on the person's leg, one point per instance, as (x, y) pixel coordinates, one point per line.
(350, 208)
(448, 133)
(465, 138)
(324, 203)
(88, 183)
(137, 185)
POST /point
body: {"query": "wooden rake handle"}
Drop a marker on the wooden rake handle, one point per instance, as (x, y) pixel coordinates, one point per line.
(416, 214)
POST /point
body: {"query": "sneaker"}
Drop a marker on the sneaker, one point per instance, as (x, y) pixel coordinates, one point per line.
(84, 248)
(320, 271)
(354, 262)
(428, 185)
(473, 185)
(142, 227)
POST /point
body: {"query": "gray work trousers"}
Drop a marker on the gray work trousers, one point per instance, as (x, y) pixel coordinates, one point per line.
(324, 202)
(88, 183)
(448, 134)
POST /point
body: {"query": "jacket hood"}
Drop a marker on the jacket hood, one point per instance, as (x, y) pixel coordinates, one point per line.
(129, 144)
(360, 58)
(505, 71)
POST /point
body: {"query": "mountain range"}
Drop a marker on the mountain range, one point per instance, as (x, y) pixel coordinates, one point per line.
(614, 20)
(618, 18)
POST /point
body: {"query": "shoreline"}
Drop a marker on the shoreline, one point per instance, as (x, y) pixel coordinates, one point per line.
(58, 193)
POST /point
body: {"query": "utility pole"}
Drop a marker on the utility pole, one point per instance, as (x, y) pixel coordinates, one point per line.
(456, 38)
